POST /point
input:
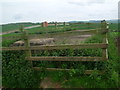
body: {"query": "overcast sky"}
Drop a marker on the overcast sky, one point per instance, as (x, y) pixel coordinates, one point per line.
(57, 10)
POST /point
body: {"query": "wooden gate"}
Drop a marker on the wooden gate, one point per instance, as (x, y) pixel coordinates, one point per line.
(103, 30)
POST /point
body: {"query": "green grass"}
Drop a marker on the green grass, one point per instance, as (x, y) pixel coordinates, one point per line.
(71, 53)
(18, 73)
(15, 26)
(113, 27)
(41, 31)
(110, 79)
(9, 39)
(52, 29)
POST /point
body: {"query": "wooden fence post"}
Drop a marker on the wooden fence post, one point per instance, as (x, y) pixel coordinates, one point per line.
(64, 24)
(88, 25)
(55, 24)
(104, 30)
(26, 43)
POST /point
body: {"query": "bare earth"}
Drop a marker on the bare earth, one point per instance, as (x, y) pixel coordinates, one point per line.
(47, 83)
(76, 39)
(35, 42)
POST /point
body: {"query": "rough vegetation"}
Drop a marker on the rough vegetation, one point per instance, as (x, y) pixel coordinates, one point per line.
(17, 72)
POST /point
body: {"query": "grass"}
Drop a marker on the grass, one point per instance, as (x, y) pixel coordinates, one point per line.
(9, 39)
(44, 32)
(15, 26)
(71, 53)
(84, 82)
(18, 73)
(108, 80)
(52, 29)
(113, 27)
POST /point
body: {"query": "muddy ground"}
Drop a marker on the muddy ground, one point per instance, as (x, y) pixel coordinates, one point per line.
(69, 37)
(55, 40)
(48, 83)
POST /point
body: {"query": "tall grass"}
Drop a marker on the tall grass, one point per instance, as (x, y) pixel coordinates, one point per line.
(75, 77)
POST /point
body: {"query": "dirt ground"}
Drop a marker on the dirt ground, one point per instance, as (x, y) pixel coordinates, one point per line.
(47, 83)
(76, 39)
(55, 40)
(35, 42)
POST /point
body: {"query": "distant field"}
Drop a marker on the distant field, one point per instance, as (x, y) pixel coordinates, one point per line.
(15, 26)
(52, 29)
(52, 32)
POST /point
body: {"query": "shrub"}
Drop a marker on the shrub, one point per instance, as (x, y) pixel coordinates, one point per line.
(17, 72)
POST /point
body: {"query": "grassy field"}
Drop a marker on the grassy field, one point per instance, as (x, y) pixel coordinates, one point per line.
(17, 72)
(15, 26)
(48, 32)
(53, 29)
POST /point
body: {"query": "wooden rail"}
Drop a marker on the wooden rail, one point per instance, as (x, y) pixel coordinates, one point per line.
(64, 58)
(59, 69)
(44, 47)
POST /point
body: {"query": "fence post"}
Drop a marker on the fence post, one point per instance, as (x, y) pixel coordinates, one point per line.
(64, 24)
(88, 25)
(26, 43)
(55, 24)
(104, 30)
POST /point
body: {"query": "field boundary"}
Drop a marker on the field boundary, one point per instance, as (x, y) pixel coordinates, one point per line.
(104, 29)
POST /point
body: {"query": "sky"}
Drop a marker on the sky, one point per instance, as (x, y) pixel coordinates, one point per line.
(12, 11)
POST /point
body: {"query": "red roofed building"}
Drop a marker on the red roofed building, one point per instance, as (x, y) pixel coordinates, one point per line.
(44, 24)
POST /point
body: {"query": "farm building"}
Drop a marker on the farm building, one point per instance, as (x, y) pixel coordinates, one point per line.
(45, 24)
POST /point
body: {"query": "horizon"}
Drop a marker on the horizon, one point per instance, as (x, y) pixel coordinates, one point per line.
(56, 21)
